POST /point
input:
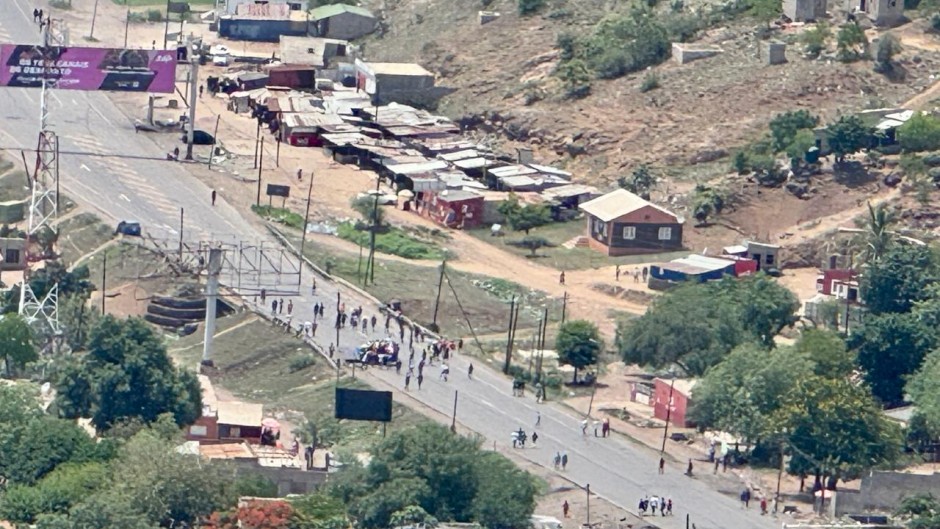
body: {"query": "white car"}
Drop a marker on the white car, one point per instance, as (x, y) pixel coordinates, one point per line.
(219, 49)
(220, 60)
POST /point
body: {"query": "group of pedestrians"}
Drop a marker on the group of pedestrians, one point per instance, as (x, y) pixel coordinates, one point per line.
(637, 273)
(601, 429)
(39, 18)
(654, 503)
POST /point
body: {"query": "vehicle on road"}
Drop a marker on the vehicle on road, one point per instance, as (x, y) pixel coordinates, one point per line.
(128, 227)
(200, 137)
(385, 199)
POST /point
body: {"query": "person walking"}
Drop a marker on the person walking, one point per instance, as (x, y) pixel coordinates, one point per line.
(645, 272)
(606, 428)
(264, 295)
(420, 380)
(565, 508)
(662, 466)
(538, 418)
(564, 460)
(35, 15)
(470, 373)
(273, 307)
(535, 438)
(561, 278)
(717, 462)
(746, 498)
(763, 505)
(654, 504)
(407, 379)
(290, 306)
(689, 471)
(557, 460)
(584, 427)
(444, 372)
(669, 506)
(213, 197)
(313, 287)
(597, 425)
(636, 275)
(280, 306)
(617, 273)
(300, 174)
(398, 367)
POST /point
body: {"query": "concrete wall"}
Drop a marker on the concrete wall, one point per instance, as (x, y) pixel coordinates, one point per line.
(346, 26)
(288, 480)
(883, 491)
(13, 211)
(800, 10)
(685, 53)
(15, 258)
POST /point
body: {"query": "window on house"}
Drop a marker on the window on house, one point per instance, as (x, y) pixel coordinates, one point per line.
(235, 431)
(665, 234)
(629, 232)
(770, 258)
(12, 256)
(198, 430)
(604, 232)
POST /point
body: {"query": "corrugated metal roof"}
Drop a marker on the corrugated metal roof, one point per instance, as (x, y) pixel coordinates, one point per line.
(415, 168)
(240, 413)
(410, 69)
(274, 11)
(338, 9)
(512, 170)
(617, 204)
(456, 195)
(710, 261)
(570, 190)
(459, 155)
(310, 120)
(518, 181)
(547, 169)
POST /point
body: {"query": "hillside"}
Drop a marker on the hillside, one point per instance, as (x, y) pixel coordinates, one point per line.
(700, 112)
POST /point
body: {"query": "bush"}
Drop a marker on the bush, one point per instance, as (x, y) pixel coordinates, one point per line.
(814, 39)
(650, 82)
(61, 4)
(935, 22)
(393, 242)
(154, 15)
(280, 215)
(920, 133)
(851, 42)
(888, 46)
(528, 7)
(611, 64)
(302, 361)
(575, 78)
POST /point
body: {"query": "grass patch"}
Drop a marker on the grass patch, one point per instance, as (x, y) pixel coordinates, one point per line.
(485, 299)
(395, 241)
(61, 4)
(81, 234)
(280, 215)
(12, 184)
(258, 362)
(557, 256)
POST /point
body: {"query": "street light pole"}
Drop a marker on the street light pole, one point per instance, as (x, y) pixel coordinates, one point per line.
(94, 15)
(303, 236)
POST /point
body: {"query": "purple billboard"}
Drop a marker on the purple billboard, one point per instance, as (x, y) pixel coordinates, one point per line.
(67, 68)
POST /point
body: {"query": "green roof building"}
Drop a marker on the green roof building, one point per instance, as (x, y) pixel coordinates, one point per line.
(341, 21)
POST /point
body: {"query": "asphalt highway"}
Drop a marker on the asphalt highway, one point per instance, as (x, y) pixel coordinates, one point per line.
(143, 186)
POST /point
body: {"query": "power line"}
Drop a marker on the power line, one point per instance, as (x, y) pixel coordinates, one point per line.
(90, 154)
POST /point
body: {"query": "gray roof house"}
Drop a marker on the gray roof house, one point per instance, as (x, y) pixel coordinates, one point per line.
(341, 21)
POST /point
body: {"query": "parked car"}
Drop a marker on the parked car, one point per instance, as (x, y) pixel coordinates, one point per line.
(128, 227)
(385, 199)
(200, 137)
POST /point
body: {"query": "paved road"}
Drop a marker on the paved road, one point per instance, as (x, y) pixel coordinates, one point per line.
(152, 191)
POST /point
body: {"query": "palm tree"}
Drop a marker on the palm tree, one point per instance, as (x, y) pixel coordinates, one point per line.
(879, 235)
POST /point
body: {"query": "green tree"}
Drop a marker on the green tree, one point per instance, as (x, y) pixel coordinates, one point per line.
(920, 133)
(506, 498)
(848, 135)
(740, 394)
(815, 39)
(34, 449)
(76, 320)
(888, 46)
(640, 182)
(57, 492)
(367, 207)
(696, 326)
(578, 345)
(891, 347)
(575, 79)
(412, 515)
(802, 143)
(130, 375)
(921, 511)
(533, 244)
(851, 43)
(879, 236)
(108, 509)
(785, 127)
(765, 11)
(827, 352)
(898, 279)
(924, 388)
(706, 201)
(70, 283)
(835, 424)
(915, 170)
(319, 511)
(16, 342)
(531, 216)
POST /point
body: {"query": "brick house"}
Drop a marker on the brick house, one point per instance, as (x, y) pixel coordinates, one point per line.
(622, 223)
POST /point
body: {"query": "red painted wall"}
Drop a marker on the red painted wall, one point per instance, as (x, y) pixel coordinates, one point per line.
(680, 404)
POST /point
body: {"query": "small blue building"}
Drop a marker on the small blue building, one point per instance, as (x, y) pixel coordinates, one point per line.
(694, 268)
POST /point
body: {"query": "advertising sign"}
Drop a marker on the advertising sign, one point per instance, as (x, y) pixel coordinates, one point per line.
(68, 68)
(275, 190)
(363, 405)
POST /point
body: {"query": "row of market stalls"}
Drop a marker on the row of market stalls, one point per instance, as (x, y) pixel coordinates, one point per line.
(436, 171)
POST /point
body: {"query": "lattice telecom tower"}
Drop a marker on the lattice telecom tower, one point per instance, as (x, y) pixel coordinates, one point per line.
(44, 201)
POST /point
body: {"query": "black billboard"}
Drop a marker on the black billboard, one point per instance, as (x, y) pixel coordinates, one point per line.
(275, 190)
(363, 405)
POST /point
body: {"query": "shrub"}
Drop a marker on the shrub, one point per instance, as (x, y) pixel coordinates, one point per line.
(280, 215)
(650, 82)
(528, 7)
(888, 46)
(302, 361)
(154, 15)
(566, 43)
(814, 39)
(611, 63)
(61, 4)
(935, 22)
(851, 43)
(575, 78)
(920, 133)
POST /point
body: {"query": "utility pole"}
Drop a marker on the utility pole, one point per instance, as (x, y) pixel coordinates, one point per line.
(779, 477)
(212, 295)
(370, 268)
(94, 15)
(338, 359)
(181, 235)
(166, 27)
(672, 385)
(215, 136)
(193, 88)
(453, 420)
(104, 281)
(260, 165)
(303, 236)
(437, 299)
(257, 139)
(127, 21)
(588, 489)
(277, 153)
(512, 308)
(564, 306)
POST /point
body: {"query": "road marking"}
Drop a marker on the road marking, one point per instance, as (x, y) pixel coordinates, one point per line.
(106, 120)
(85, 167)
(123, 196)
